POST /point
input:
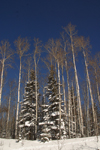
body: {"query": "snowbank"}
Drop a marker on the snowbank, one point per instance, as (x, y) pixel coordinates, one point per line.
(69, 144)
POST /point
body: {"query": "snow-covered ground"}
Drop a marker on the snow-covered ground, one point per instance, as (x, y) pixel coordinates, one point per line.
(69, 144)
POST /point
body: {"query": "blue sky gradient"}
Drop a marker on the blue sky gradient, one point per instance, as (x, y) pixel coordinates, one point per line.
(44, 19)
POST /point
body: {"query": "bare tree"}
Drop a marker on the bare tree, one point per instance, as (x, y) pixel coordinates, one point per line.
(86, 98)
(63, 85)
(36, 56)
(95, 64)
(70, 30)
(12, 88)
(54, 49)
(29, 64)
(5, 57)
(73, 112)
(57, 57)
(84, 44)
(65, 41)
(3, 116)
(22, 47)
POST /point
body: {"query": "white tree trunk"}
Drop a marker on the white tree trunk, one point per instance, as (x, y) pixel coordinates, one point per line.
(69, 99)
(74, 107)
(63, 84)
(17, 110)
(36, 88)
(88, 122)
(29, 73)
(74, 112)
(77, 90)
(2, 73)
(91, 95)
(97, 86)
(8, 116)
(59, 101)
(69, 96)
(71, 117)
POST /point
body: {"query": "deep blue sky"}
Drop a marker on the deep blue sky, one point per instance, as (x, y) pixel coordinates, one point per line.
(44, 19)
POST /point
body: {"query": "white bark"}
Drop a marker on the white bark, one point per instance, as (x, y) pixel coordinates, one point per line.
(88, 122)
(71, 117)
(29, 64)
(69, 97)
(70, 30)
(63, 84)
(36, 88)
(22, 46)
(2, 73)
(97, 86)
(59, 100)
(91, 95)
(8, 115)
(74, 112)
(17, 110)
(74, 107)
(5, 54)
(29, 73)
(36, 57)
(77, 89)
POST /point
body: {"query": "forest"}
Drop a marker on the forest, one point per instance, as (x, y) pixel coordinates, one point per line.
(50, 98)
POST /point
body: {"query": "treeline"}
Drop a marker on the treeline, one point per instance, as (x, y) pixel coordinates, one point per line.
(55, 104)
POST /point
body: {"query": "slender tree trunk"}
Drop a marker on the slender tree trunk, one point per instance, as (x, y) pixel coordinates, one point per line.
(74, 111)
(6, 54)
(88, 122)
(59, 101)
(71, 118)
(55, 67)
(91, 95)
(69, 99)
(7, 130)
(97, 86)
(74, 114)
(36, 96)
(85, 114)
(29, 73)
(2, 72)
(44, 98)
(63, 84)
(69, 96)
(77, 90)
(17, 110)
(69, 114)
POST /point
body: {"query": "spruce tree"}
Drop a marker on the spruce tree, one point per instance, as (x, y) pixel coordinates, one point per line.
(27, 118)
(74, 125)
(44, 122)
(52, 94)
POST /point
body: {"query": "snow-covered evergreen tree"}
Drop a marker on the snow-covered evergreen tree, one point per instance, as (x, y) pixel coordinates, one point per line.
(53, 97)
(73, 114)
(44, 123)
(27, 118)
